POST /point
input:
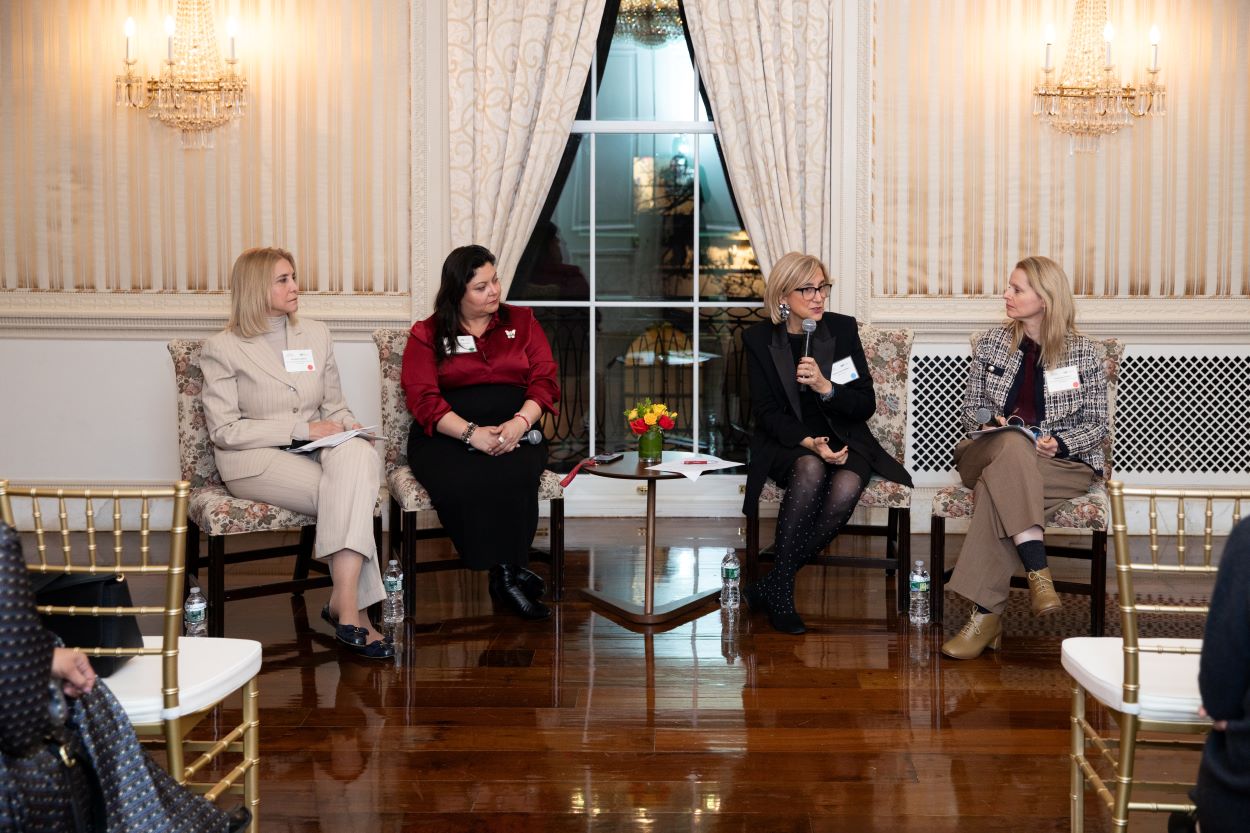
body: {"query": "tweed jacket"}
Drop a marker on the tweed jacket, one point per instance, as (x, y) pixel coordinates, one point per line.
(1078, 418)
(253, 405)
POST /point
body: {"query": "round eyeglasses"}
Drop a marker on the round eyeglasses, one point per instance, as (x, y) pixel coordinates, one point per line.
(809, 292)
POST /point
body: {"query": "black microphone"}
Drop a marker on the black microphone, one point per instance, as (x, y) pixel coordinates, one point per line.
(530, 437)
(809, 327)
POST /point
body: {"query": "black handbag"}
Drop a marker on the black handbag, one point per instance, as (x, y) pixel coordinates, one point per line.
(86, 590)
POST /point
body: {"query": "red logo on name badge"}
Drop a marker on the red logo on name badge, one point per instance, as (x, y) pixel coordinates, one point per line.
(1074, 384)
(310, 367)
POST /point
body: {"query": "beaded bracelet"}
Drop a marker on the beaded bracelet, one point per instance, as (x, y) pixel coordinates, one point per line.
(468, 432)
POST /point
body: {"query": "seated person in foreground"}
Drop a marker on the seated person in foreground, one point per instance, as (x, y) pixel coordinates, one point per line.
(1038, 370)
(811, 436)
(478, 375)
(270, 380)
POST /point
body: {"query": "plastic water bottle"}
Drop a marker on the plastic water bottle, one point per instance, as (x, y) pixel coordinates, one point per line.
(919, 612)
(195, 613)
(393, 582)
(730, 577)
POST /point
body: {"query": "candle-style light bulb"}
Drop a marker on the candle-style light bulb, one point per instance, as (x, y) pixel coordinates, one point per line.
(129, 29)
(1154, 48)
(1049, 35)
(169, 38)
(232, 30)
(1108, 32)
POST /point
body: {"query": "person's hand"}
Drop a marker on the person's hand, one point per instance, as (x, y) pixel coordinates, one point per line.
(512, 431)
(836, 458)
(1217, 725)
(996, 421)
(323, 428)
(74, 671)
(808, 373)
(486, 439)
(1047, 446)
(351, 425)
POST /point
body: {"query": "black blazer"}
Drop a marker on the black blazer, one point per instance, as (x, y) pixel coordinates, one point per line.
(775, 399)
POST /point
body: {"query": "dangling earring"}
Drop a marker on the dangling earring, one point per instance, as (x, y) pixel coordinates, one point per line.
(783, 311)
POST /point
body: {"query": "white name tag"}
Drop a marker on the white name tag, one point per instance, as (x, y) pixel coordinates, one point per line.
(464, 344)
(298, 361)
(1063, 378)
(843, 371)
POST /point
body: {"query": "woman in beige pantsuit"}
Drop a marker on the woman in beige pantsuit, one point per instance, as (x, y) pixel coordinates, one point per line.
(1039, 372)
(270, 381)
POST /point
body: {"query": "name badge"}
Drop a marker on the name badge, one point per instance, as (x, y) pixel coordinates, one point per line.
(843, 371)
(298, 361)
(464, 344)
(1063, 378)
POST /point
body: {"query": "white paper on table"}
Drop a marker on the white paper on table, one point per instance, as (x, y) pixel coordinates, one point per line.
(692, 470)
(336, 439)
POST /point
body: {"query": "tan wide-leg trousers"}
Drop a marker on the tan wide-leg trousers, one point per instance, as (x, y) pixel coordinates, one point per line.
(1015, 489)
(339, 486)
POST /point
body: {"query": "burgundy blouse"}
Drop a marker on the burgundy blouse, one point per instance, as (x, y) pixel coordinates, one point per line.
(512, 351)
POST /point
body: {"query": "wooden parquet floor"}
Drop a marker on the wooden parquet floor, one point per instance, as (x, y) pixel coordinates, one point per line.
(485, 722)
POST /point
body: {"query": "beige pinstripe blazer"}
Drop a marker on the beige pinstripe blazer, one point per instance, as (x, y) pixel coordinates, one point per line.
(253, 405)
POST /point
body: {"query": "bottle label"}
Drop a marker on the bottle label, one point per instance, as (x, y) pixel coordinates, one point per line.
(194, 613)
(729, 573)
(919, 584)
(393, 585)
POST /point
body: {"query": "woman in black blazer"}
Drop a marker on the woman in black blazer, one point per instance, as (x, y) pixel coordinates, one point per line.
(811, 401)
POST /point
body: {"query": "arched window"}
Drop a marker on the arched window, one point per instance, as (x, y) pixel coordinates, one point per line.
(639, 267)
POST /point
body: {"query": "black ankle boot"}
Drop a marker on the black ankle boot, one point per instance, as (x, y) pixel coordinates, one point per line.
(531, 583)
(505, 588)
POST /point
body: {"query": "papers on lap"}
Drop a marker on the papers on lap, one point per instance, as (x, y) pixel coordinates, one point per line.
(1014, 423)
(336, 439)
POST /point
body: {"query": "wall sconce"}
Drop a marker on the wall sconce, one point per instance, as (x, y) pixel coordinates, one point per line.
(1088, 100)
(192, 94)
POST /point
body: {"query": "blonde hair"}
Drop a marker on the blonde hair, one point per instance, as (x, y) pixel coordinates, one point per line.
(250, 280)
(787, 275)
(1049, 281)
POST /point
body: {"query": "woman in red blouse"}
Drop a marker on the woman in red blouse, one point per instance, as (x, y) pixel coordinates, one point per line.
(478, 375)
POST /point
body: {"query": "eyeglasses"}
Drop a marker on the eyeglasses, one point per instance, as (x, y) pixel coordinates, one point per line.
(809, 292)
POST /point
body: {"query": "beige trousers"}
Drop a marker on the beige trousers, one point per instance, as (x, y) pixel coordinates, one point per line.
(339, 486)
(1015, 489)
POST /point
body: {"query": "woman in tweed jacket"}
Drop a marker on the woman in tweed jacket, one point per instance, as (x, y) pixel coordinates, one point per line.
(1036, 370)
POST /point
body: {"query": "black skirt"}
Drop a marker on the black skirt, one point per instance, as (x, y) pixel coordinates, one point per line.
(488, 505)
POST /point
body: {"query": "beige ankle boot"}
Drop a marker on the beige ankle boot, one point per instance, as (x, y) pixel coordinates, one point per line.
(983, 630)
(1042, 596)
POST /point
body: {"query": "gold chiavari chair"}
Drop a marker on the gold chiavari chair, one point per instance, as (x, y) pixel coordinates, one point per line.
(170, 684)
(1148, 685)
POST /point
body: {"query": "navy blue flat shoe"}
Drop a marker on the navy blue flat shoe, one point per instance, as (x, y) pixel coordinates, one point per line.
(350, 635)
(377, 649)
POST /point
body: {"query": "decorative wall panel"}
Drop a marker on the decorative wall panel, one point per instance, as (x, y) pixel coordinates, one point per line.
(965, 180)
(96, 199)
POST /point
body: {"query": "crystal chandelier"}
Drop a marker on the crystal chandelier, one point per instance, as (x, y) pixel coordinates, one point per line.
(1088, 100)
(193, 94)
(649, 23)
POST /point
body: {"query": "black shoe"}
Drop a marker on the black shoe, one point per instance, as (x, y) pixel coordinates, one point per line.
(505, 588)
(531, 583)
(787, 622)
(1182, 822)
(754, 597)
(350, 635)
(331, 619)
(239, 818)
(377, 649)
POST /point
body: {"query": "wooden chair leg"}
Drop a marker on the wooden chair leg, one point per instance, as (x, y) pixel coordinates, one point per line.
(902, 523)
(557, 548)
(396, 524)
(303, 561)
(216, 585)
(408, 556)
(937, 567)
(377, 537)
(751, 568)
(1098, 584)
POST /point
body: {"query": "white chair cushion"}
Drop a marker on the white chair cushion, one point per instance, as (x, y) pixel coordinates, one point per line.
(208, 670)
(1169, 682)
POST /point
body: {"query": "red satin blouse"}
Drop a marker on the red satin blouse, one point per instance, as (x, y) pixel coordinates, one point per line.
(512, 351)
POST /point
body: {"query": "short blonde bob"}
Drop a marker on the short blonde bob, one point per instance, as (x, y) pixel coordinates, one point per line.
(787, 275)
(1048, 280)
(249, 290)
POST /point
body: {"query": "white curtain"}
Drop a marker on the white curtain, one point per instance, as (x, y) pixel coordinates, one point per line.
(516, 71)
(767, 66)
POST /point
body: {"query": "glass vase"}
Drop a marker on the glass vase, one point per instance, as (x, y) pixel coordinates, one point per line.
(651, 445)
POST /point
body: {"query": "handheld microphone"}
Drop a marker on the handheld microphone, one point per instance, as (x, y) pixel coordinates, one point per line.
(530, 437)
(983, 416)
(809, 327)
